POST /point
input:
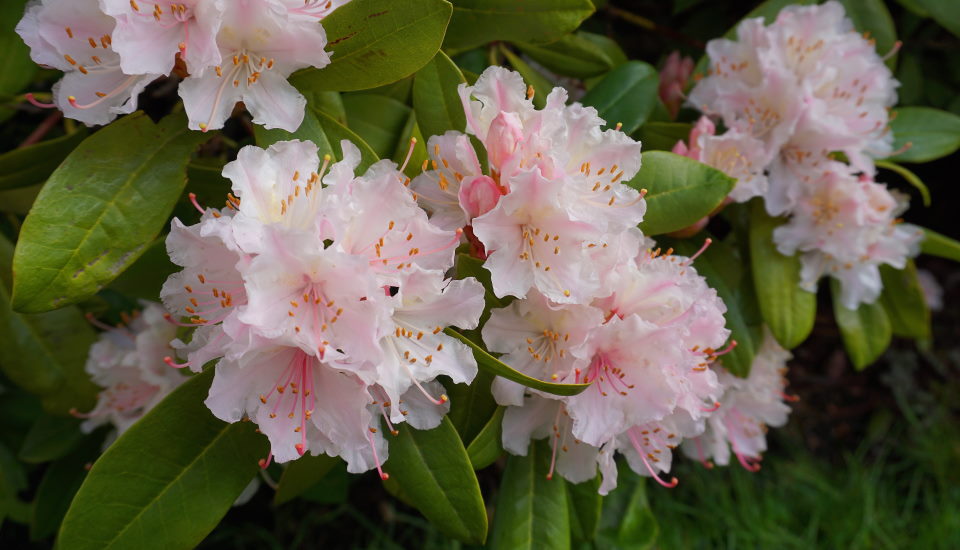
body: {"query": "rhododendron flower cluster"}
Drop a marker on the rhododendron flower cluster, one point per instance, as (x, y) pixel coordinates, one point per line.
(793, 96)
(127, 361)
(323, 295)
(229, 51)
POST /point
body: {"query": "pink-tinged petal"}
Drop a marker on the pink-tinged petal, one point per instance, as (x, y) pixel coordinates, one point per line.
(100, 95)
(507, 392)
(209, 99)
(497, 90)
(608, 468)
(274, 102)
(534, 420)
(422, 413)
(478, 195)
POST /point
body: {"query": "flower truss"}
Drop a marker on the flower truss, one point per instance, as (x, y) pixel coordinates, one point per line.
(322, 296)
(229, 51)
(794, 96)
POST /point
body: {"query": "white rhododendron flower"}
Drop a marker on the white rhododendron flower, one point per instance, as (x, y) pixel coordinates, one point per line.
(323, 294)
(747, 407)
(127, 361)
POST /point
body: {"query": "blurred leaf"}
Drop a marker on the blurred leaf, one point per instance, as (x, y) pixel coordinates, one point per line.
(377, 119)
(866, 330)
(168, 480)
(637, 529)
(625, 95)
(493, 365)
(34, 164)
(310, 130)
(936, 244)
(572, 55)
(59, 485)
(50, 438)
(100, 210)
(433, 471)
(419, 154)
(607, 45)
(477, 22)
(329, 102)
(541, 85)
(146, 276)
(662, 136)
(585, 505)
(302, 474)
(486, 447)
(903, 300)
(435, 98)
(531, 510)
(945, 12)
(911, 178)
(787, 309)
(19, 201)
(471, 405)
(376, 42)
(16, 67)
(680, 191)
(872, 16)
(336, 132)
(931, 133)
(400, 90)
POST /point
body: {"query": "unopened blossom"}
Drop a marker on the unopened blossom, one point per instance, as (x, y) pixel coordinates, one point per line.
(74, 36)
(260, 45)
(748, 406)
(150, 35)
(737, 155)
(127, 362)
(846, 226)
(324, 297)
(674, 76)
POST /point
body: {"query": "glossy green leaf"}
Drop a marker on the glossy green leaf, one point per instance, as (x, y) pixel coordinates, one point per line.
(100, 210)
(873, 17)
(471, 405)
(376, 42)
(662, 136)
(936, 244)
(625, 95)
(34, 164)
(419, 153)
(930, 133)
(610, 47)
(302, 474)
(945, 12)
(16, 67)
(329, 102)
(531, 510)
(476, 22)
(493, 365)
(572, 55)
(45, 353)
(585, 505)
(866, 331)
(680, 191)
(59, 485)
(910, 177)
(378, 120)
(336, 132)
(787, 309)
(903, 300)
(310, 130)
(487, 447)
(146, 276)
(433, 470)
(541, 85)
(49, 438)
(168, 480)
(435, 98)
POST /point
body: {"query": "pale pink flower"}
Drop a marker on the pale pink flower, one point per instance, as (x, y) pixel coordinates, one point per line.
(148, 36)
(312, 10)
(127, 361)
(260, 46)
(747, 407)
(75, 37)
(455, 191)
(674, 76)
(737, 155)
(932, 291)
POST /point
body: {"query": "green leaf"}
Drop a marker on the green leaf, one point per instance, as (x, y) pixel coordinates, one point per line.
(100, 210)
(607, 45)
(419, 154)
(34, 164)
(936, 244)
(435, 98)
(625, 95)
(378, 120)
(866, 331)
(376, 42)
(45, 353)
(639, 528)
(168, 480)
(49, 438)
(787, 309)
(911, 178)
(541, 85)
(930, 133)
(471, 405)
(146, 276)
(493, 365)
(573, 55)
(680, 191)
(432, 469)
(302, 474)
(586, 504)
(476, 22)
(487, 447)
(945, 12)
(59, 485)
(337, 132)
(872, 16)
(662, 136)
(531, 510)
(16, 67)
(903, 300)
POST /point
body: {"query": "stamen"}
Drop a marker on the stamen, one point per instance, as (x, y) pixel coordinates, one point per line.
(33, 101)
(706, 244)
(406, 160)
(383, 475)
(169, 361)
